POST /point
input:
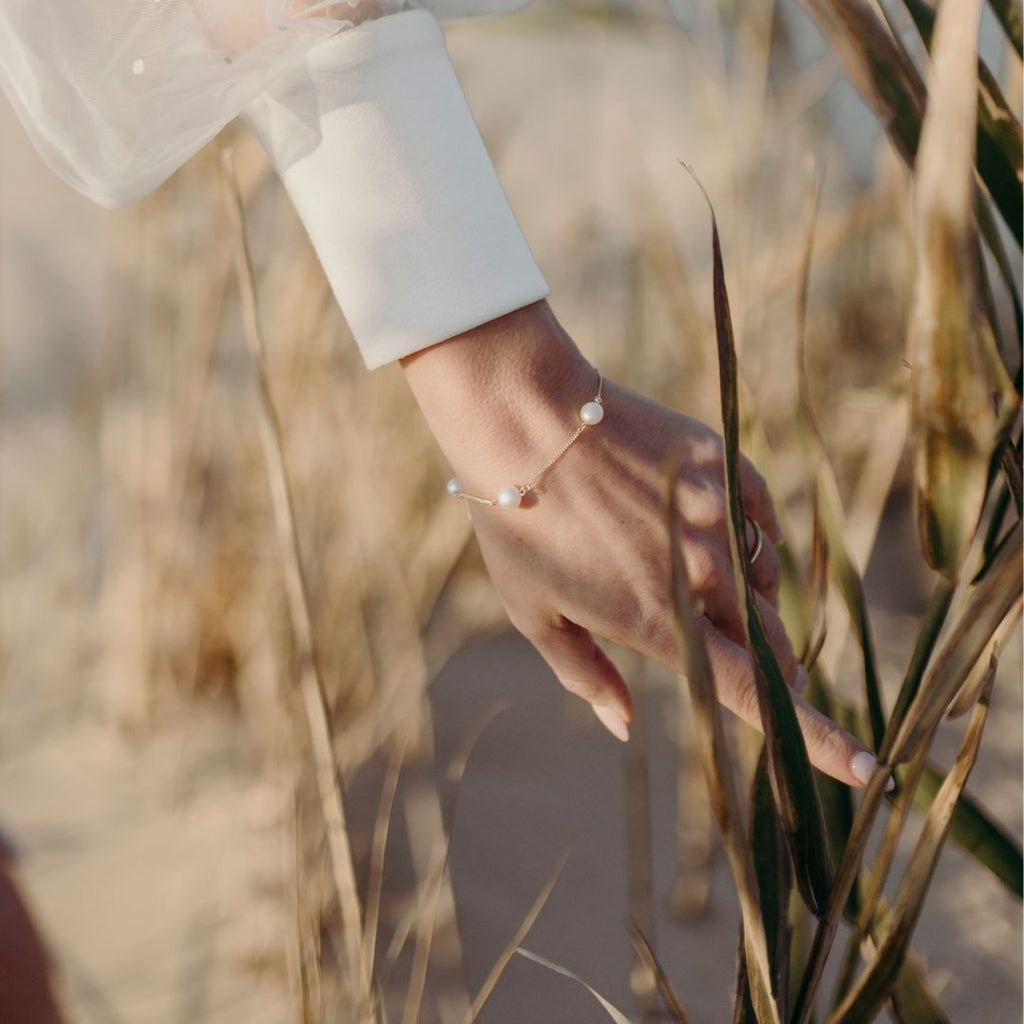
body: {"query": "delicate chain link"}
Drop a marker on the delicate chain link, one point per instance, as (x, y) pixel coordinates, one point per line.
(523, 489)
(554, 458)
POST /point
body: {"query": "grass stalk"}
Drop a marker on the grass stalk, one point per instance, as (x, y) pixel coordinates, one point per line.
(314, 697)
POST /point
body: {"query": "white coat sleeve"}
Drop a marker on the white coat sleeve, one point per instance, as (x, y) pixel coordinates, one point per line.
(395, 187)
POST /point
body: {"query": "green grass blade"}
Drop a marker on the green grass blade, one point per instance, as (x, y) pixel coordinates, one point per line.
(828, 506)
(974, 829)
(714, 753)
(911, 999)
(775, 885)
(927, 638)
(850, 585)
(817, 591)
(874, 985)
(975, 682)
(789, 768)
(977, 833)
(846, 877)
(774, 877)
(992, 600)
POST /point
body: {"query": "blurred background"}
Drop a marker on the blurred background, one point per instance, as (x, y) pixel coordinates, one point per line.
(158, 806)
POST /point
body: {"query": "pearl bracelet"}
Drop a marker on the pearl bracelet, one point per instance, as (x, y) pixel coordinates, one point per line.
(510, 497)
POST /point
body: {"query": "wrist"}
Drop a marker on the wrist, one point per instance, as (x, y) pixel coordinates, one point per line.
(501, 396)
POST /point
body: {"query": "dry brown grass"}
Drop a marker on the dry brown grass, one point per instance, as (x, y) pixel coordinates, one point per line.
(193, 601)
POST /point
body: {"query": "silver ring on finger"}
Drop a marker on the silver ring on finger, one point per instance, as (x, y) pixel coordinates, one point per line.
(755, 554)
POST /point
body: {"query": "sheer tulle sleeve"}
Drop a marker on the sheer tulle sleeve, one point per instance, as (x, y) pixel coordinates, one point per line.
(117, 94)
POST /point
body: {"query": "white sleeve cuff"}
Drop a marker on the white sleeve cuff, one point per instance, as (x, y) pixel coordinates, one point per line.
(396, 190)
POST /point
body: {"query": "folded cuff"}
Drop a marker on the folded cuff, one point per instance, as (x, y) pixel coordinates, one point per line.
(378, 150)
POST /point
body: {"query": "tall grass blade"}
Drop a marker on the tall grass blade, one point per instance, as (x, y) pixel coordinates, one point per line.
(846, 876)
(639, 848)
(889, 83)
(874, 985)
(789, 767)
(437, 878)
(510, 950)
(1014, 472)
(878, 67)
(911, 999)
(817, 591)
(297, 593)
(714, 754)
(774, 877)
(851, 588)
(382, 826)
(616, 1015)
(955, 425)
(426, 926)
(934, 619)
(976, 832)
(828, 506)
(775, 885)
(975, 682)
(999, 132)
(673, 1004)
(990, 603)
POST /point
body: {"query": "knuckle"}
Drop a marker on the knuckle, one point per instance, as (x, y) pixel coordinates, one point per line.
(753, 480)
(652, 624)
(776, 632)
(782, 648)
(747, 705)
(703, 502)
(703, 565)
(717, 503)
(772, 570)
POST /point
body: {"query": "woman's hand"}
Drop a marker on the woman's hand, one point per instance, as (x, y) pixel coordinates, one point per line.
(587, 552)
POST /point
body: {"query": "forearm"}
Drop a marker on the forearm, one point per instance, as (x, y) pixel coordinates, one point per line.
(503, 396)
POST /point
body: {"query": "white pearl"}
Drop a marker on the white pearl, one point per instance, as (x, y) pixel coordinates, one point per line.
(509, 498)
(453, 487)
(591, 413)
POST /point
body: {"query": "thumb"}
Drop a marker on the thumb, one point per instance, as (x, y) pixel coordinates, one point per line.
(585, 670)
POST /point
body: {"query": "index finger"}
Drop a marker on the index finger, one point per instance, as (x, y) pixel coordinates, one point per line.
(830, 748)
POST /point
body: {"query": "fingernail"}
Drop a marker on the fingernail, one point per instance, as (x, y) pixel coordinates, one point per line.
(803, 680)
(862, 767)
(613, 721)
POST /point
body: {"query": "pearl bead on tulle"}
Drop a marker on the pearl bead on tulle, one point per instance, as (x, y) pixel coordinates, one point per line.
(509, 497)
(591, 413)
(453, 487)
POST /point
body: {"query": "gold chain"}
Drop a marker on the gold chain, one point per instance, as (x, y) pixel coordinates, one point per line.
(510, 497)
